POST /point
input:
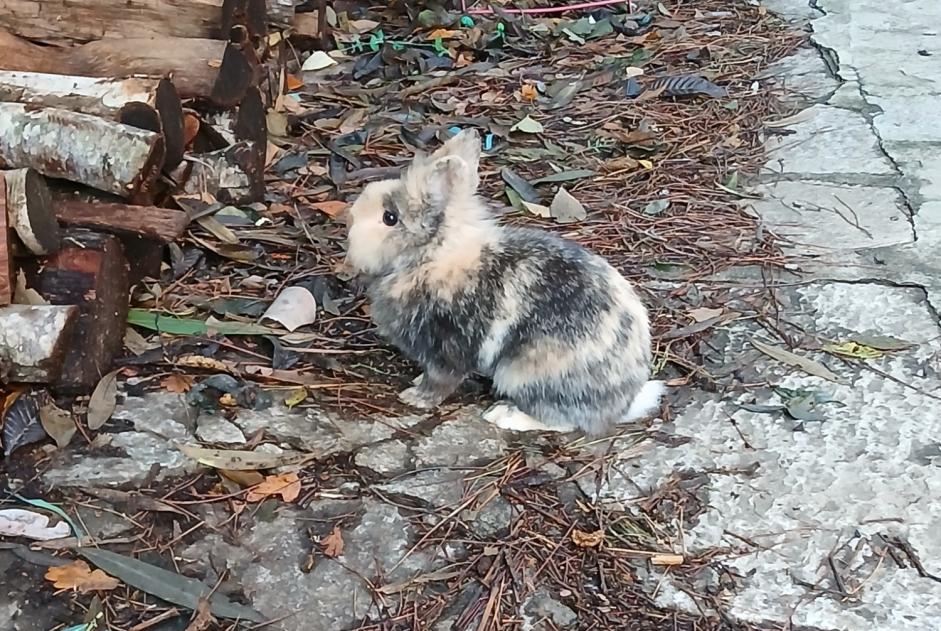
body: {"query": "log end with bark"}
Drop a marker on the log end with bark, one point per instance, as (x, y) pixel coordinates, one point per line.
(29, 210)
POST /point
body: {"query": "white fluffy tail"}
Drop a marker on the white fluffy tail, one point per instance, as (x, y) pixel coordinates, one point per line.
(647, 400)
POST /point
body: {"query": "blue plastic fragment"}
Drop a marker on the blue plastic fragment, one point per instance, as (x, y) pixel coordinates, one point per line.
(488, 142)
(454, 130)
(467, 21)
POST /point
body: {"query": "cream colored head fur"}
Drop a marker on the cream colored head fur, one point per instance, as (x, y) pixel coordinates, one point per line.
(428, 212)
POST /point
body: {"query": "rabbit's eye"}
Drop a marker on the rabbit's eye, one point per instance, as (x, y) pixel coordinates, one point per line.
(390, 218)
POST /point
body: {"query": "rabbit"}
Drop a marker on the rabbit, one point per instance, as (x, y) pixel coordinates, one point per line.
(561, 334)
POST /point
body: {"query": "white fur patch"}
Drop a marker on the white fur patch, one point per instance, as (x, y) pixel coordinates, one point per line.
(647, 401)
(507, 416)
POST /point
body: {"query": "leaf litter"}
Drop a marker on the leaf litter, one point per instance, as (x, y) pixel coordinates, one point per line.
(574, 129)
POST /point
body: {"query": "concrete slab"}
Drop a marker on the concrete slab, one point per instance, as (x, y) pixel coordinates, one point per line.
(819, 217)
(830, 140)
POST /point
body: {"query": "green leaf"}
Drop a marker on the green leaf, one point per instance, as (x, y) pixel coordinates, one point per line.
(78, 532)
(882, 342)
(189, 326)
(564, 176)
(169, 586)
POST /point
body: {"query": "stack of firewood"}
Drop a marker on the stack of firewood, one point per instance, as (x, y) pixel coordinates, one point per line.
(108, 112)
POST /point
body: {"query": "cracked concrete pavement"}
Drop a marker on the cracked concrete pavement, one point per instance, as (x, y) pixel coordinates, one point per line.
(814, 517)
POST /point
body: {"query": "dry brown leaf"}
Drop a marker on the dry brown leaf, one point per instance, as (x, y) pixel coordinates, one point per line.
(190, 128)
(103, 401)
(587, 539)
(244, 479)
(443, 33)
(330, 208)
(529, 92)
(203, 617)
(292, 83)
(287, 485)
(333, 543)
(178, 384)
(228, 401)
(79, 576)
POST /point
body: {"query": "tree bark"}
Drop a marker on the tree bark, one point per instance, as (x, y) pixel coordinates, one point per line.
(158, 224)
(6, 251)
(206, 69)
(81, 148)
(231, 175)
(29, 210)
(80, 21)
(143, 102)
(33, 341)
(91, 272)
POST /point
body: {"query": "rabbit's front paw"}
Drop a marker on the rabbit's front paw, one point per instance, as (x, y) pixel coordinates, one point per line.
(417, 397)
(508, 416)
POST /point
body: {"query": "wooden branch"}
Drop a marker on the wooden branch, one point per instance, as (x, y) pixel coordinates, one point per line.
(143, 102)
(231, 175)
(29, 209)
(6, 250)
(80, 148)
(33, 341)
(206, 69)
(158, 224)
(91, 272)
(79, 21)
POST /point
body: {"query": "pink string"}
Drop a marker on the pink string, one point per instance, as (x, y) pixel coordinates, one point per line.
(572, 7)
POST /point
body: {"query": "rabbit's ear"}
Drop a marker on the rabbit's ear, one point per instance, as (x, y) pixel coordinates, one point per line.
(466, 146)
(447, 180)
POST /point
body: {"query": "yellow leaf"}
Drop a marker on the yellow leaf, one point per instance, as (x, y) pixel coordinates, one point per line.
(647, 164)
(587, 539)
(333, 543)
(228, 400)
(853, 350)
(443, 33)
(287, 485)
(295, 397)
(205, 363)
(79, 576)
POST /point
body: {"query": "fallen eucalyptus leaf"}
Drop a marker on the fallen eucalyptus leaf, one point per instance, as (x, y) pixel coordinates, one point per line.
(528, 126)
(565, 176)
(21, 425)
(318, 60)
(656, 207)
(236, 460)
(853, 350)
(807, 365)
(171, 325)
(523, 188)
(293, 308)
(704, 313)
(537, 209)
(58, 423)
(80, 577)
(169, 586)
(882, 342)
(565, 208)
(103, 400)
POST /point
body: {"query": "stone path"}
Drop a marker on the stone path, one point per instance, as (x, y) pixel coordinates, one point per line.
(823, 524)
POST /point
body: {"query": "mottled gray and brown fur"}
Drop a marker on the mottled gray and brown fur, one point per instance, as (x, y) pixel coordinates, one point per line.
(561, 333)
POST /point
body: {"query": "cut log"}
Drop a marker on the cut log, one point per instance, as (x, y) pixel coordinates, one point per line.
(158, 224)
(103, 154)
(144, 102)
(231, 175)
(207, 69)
(91, 272)
(6, 250)
(79, 21)
(200, 68)
(29, 209)
(33, 341)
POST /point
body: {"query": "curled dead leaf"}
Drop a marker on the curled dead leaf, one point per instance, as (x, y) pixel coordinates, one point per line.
(587, 539)
(333, 543)
(80, 577)
(287, 485)
(178, 384)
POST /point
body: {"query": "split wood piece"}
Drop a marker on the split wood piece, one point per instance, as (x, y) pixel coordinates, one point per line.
(103, 154)
(7, 287)
(33, 341)
(251, 125)
(213, 70)
(163, 225)
(91, 272)
(280, 13)
(230, 175)
(79, 21)
(143, 102)
(29, 210)
(207, 69)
